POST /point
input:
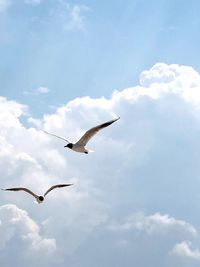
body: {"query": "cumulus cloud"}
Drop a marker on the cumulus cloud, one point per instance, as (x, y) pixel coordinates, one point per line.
(15, 221)
(182, 81)
(153, 223)
(184, 250)
(17, 227)
(146, 163)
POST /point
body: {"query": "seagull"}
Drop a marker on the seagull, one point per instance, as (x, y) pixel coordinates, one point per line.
(79, 146)
(39, 199)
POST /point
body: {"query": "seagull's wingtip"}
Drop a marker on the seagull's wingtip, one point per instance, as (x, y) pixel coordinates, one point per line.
(117, 119)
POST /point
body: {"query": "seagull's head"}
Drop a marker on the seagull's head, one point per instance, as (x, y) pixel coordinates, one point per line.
(70, 145)
(40, 199)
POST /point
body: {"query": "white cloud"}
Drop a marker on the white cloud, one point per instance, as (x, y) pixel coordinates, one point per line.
(11, 111)
(146, 240)
(154, 223)
(148, 160)
(4, 4)
(43, 90)
(184, 250)
(16, 224)
(38, 91)
(183, 81)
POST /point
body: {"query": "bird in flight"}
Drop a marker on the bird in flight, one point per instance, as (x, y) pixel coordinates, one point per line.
(38, 198)
(79, 146)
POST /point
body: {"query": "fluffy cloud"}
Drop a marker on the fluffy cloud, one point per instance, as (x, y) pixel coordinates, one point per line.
(153, 223)
(18, 229)
(146, 163)
(15, 221)
(183, 249)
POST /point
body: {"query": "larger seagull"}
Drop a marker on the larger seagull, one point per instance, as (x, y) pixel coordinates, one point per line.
(79, 146)
(38, 198)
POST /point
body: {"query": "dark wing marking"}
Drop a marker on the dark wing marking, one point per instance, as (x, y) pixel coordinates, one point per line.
(56, 186)
(21, 189)
(90, 133)
(60, 137)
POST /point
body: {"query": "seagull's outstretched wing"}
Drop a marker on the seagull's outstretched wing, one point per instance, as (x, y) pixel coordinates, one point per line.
(56, 186)
(90, 133)
(21, 189)
(57, 136)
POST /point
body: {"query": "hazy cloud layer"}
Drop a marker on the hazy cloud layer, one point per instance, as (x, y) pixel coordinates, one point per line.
(33, 2)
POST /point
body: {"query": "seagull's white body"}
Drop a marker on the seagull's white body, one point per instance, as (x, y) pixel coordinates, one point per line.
(80, 146)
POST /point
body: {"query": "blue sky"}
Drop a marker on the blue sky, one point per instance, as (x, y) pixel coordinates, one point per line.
(41, 45)
(66, 66)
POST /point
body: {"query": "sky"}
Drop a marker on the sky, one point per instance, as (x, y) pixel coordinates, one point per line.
(67, 66)
(90, 47)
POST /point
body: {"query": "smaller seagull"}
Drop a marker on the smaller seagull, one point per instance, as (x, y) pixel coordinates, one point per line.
(79, 146)
(39, 199)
